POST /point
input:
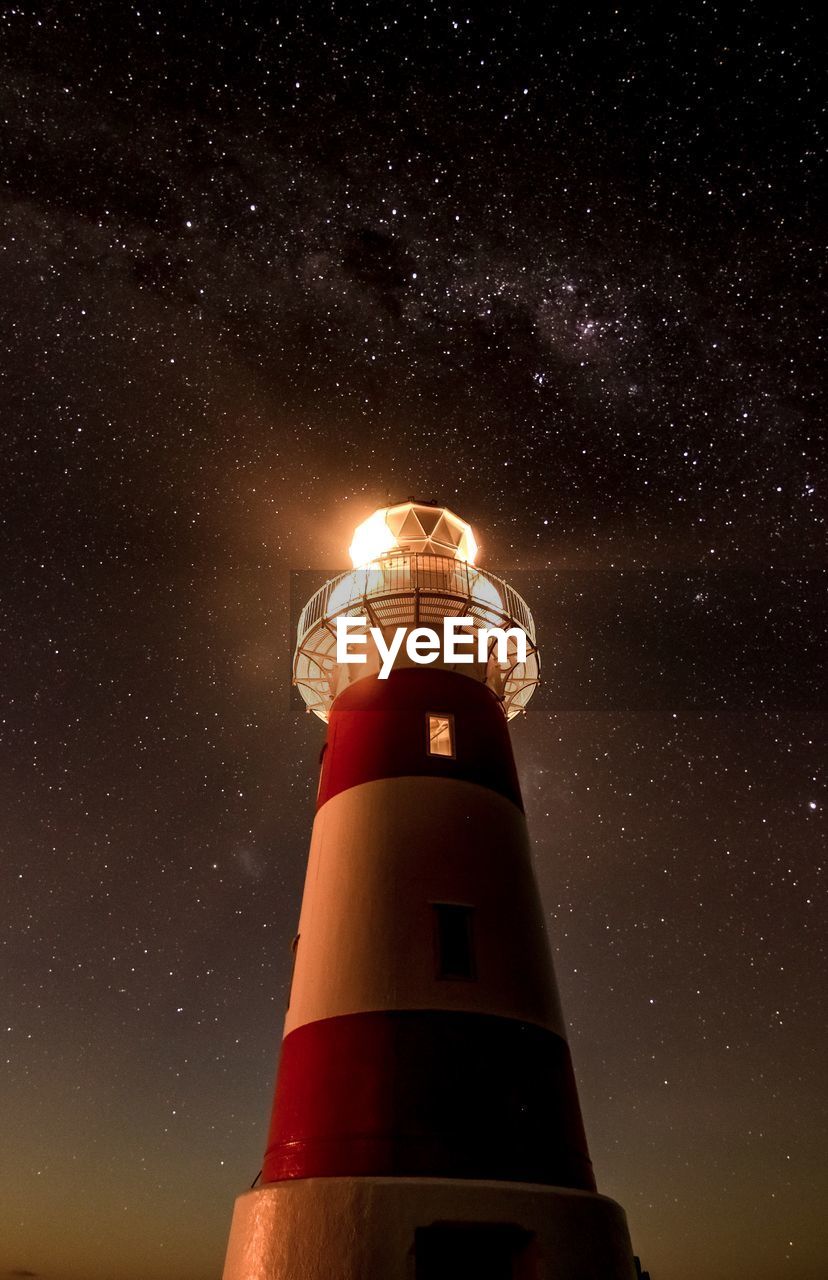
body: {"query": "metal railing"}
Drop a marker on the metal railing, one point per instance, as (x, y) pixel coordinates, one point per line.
(437, 576)
(411, 590)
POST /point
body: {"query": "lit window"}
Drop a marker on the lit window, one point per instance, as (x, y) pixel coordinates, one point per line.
(440, 735)
(455, 951)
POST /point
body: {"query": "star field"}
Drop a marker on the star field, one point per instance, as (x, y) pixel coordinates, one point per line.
(556, 267)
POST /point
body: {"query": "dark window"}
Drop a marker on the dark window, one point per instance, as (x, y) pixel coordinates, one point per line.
(294, 949)
(455, 944)
(321, 769)
(484, 1251)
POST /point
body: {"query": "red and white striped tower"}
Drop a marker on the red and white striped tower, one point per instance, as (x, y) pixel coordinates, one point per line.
(426, 1123)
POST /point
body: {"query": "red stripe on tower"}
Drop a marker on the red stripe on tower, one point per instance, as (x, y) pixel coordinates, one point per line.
(379, 729)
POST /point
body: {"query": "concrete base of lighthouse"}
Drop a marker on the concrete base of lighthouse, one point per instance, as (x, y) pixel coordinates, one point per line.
(425, 1229)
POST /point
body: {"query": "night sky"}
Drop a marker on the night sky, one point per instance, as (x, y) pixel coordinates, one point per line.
(555, 266)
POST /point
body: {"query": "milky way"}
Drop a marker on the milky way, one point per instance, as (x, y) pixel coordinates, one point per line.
(558, 269)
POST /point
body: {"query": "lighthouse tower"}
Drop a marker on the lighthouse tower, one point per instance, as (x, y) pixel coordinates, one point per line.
(425, 1123)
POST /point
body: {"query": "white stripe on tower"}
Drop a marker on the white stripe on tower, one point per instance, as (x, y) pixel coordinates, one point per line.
(382, 854)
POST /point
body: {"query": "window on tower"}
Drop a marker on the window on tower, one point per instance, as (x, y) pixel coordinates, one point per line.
(440, 735)
(488, 1251)
(455, 940)
(295, 949)
(321, 769)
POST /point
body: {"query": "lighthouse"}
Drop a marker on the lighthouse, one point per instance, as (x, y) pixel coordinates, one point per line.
(425, 1123)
